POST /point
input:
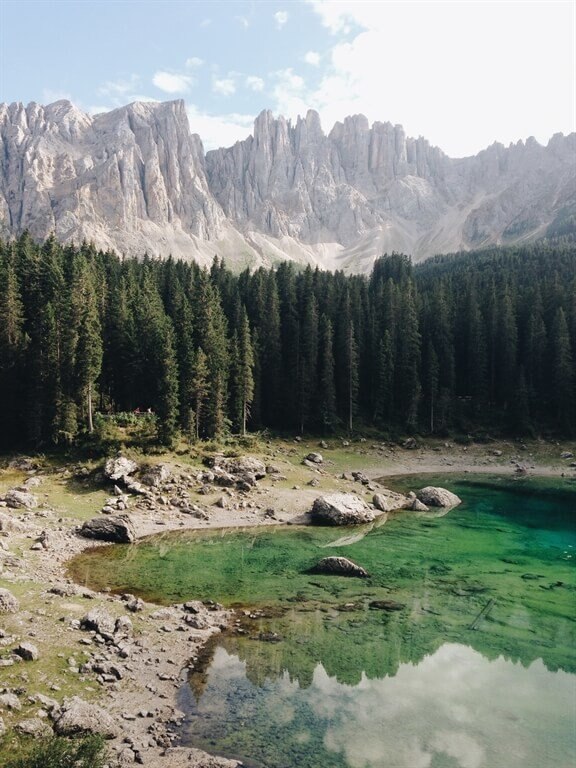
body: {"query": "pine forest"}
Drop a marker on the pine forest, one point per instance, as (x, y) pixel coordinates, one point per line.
(481, 342)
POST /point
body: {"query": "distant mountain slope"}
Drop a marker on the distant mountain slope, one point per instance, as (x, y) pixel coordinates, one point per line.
(136, 179)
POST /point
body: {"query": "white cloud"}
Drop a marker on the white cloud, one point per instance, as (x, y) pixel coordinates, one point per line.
(219, 130)
(280, 17)
(193, 62)
(334, 14)
(205, 23)
(224, 87)
(170, 82)
(254, 83)
(419, 65)
(121, 87)
(243, 21)
(312, 57)
(49, 95)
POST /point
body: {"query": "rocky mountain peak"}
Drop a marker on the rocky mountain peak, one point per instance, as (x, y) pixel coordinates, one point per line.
(136, 179)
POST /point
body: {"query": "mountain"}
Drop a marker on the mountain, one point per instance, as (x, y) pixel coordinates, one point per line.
(137, 179)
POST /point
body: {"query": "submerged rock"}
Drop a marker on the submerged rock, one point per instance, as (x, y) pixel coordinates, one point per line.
(438, 497)
(117, 528)
(341, 509)
(339, 566)
(386, 605)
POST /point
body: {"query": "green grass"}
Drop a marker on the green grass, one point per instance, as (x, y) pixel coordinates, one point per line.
(59, 752)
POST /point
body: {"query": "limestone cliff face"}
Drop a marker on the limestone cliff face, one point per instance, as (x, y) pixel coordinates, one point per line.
(132, 179)
(372, 188)
(136, 179)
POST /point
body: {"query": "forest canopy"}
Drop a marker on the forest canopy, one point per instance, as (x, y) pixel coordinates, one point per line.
(480, 341)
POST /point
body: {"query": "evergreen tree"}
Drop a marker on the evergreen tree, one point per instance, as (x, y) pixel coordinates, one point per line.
(243, 380)
(326, 383)
(199, 390)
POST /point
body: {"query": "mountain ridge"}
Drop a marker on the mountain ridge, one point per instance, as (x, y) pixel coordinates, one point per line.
(137, 179)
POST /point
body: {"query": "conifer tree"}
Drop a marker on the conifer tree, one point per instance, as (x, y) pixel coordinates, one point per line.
(243, 379)
(326, 383)
(562, 371)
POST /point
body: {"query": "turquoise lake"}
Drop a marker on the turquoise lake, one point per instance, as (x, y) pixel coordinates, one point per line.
(475, 669)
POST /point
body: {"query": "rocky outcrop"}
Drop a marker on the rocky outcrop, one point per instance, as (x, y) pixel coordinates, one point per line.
(8, 603)
(119, 468)
(116, 528)
(341, 509)
(137, 180)
(131, 179)
(27, 652)
(77, 717)
(19, 499)
(438, 497)
(339, 566)
(9, 523)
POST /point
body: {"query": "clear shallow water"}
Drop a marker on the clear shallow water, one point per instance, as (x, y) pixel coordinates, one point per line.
(350, 686)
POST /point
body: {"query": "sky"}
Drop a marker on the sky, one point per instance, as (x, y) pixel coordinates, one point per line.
(463, 74)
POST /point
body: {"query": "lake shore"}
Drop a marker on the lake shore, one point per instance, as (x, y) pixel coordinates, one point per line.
(164, 642)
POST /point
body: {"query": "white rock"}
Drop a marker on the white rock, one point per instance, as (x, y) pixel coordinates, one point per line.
(341, 509)
(438, 497)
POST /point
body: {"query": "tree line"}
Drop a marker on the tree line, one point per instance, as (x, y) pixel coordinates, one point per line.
(482, 341)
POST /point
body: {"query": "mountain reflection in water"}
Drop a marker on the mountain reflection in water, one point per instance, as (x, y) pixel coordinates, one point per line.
(475, 670)
(454, 709)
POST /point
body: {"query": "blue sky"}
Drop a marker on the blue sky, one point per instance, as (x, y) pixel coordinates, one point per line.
(462, 74)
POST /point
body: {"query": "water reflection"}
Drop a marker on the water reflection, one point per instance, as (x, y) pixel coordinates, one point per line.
(455, 709)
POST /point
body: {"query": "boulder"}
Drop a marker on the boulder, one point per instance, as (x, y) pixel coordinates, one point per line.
(388, 501)
(8, 603)
(99, 620)
(9, 524)
(35, 727)
(23, 464)
(315, 458)
(341, 509)
(123, 628)
(339, 566)
(27, 651)
(116, 528)
(360, 477)
(248, 464)
(10, 701)
(77, 716)
(119, 468)
(566, 455)
(438, 497)
(418, 506)
(20, 499)
(156, 475)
